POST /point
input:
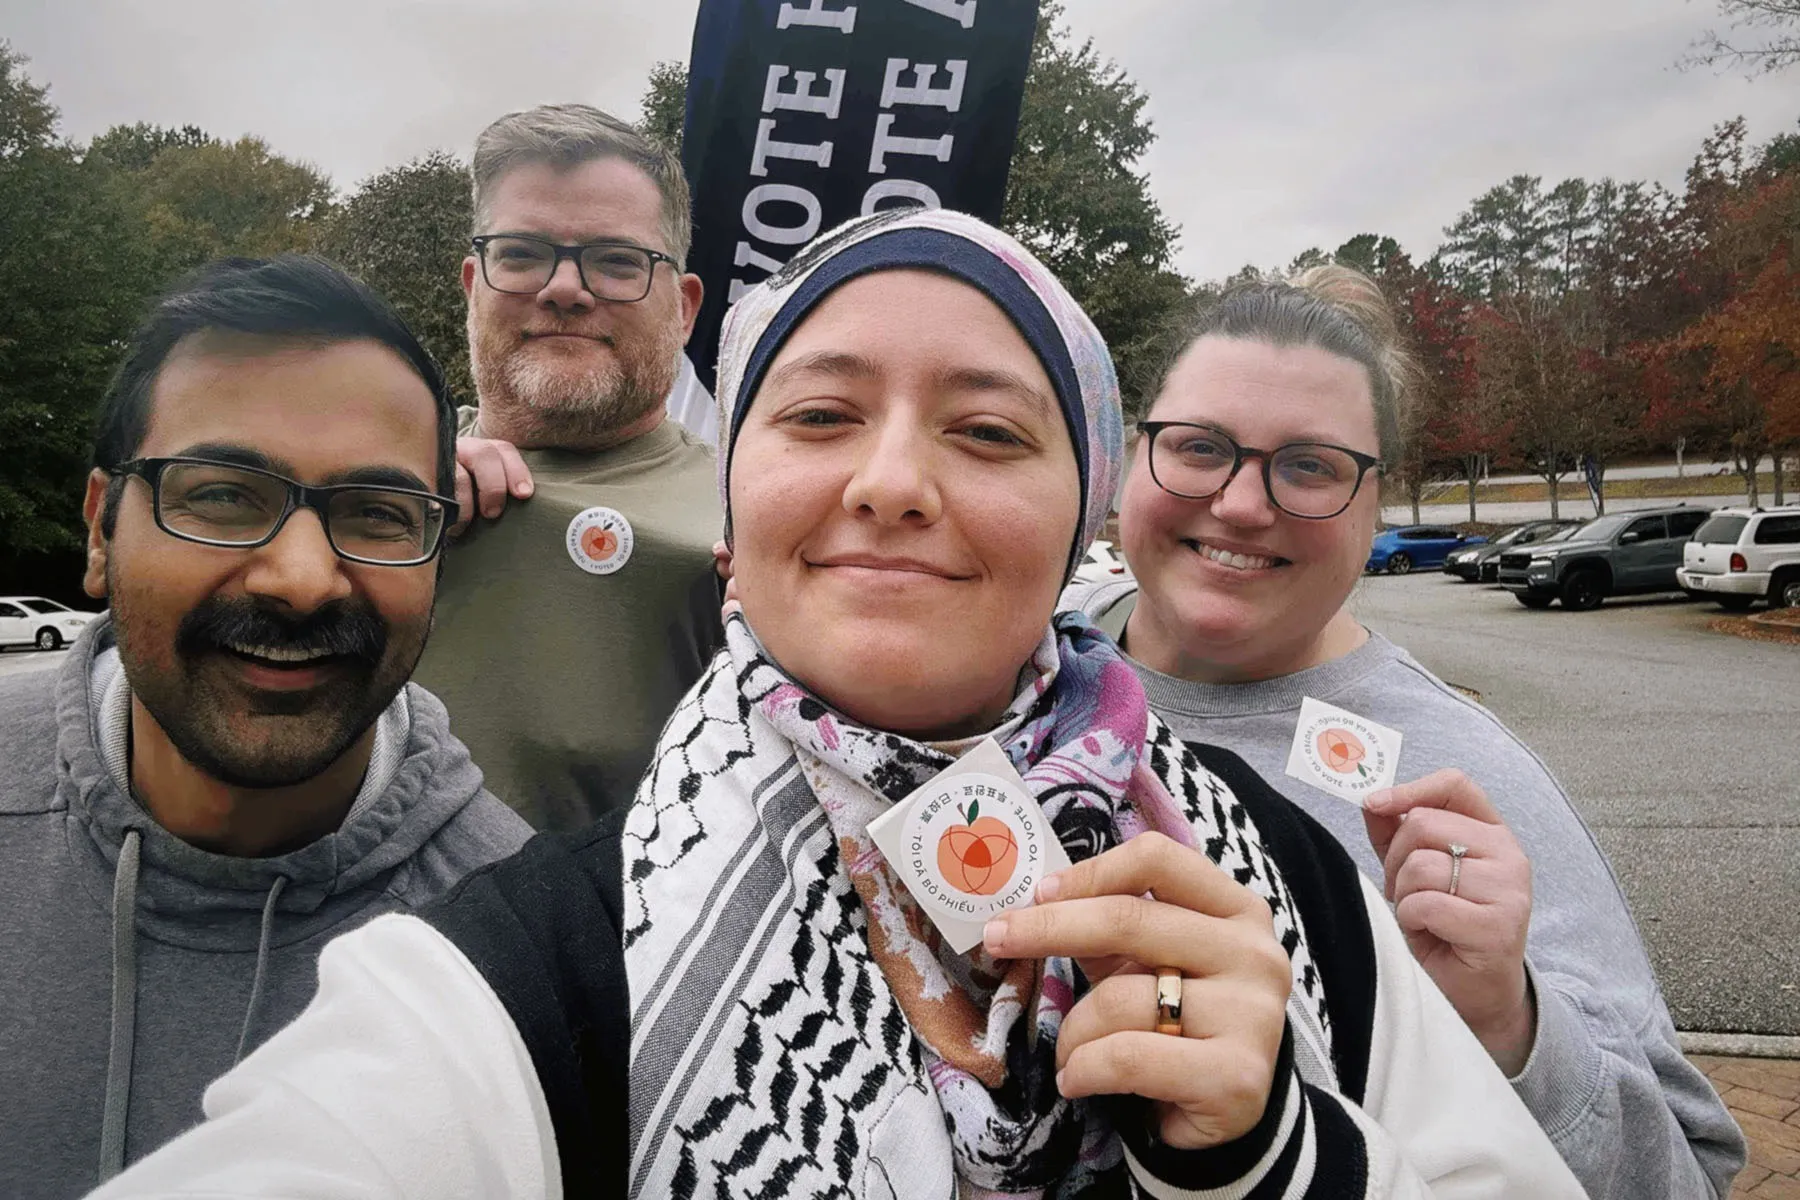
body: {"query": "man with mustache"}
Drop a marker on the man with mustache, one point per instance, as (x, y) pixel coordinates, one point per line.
(229, 769)
(567, 632)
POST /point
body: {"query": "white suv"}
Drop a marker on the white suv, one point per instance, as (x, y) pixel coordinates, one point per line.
(1742, 554)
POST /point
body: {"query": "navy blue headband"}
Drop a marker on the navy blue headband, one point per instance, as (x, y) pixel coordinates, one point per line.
(946, 254)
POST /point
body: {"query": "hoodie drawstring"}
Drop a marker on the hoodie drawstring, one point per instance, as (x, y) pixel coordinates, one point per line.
(262, 964)
(124, 1008)
(124, 999)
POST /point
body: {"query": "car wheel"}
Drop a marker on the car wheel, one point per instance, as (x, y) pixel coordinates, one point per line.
(1583, 590)
(48, 639)
(1533, 601)
(1399, 564)
(1784, 592)
(1735, 603)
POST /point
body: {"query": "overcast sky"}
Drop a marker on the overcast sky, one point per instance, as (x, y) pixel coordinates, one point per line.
(1282, 124)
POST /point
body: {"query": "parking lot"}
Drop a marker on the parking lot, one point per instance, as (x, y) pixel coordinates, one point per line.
(1681, 748)
(15, 661)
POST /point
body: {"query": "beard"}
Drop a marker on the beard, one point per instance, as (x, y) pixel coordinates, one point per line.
(569, 400)
(267, 739)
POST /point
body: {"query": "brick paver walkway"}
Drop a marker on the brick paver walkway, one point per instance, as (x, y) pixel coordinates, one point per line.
(1764, 1095)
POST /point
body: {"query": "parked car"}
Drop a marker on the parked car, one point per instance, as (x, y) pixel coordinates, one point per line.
(1742, 555)
(35, 621)
(1616, 555)
(1411, 547)
(1481, 564)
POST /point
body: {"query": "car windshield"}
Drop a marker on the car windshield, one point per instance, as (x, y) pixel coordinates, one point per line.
(1558, 535)
(45, 606)
(1534, 532)
(1597, 530)
(1721, 530)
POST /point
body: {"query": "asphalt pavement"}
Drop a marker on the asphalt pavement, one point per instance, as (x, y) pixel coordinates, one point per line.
(17, 661)
(1681, 749)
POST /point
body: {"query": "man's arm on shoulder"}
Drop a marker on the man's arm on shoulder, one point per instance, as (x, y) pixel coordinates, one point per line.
(488, 472)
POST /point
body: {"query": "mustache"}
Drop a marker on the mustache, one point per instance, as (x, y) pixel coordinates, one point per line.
(568, 328)
(340, 628)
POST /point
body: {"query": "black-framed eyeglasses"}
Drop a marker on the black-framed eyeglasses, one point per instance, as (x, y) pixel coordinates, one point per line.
(225, 504)
(1311, 480)
(523, 266)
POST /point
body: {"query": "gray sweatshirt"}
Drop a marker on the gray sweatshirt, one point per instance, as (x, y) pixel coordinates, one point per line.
(135, 968)
(1606, 1077)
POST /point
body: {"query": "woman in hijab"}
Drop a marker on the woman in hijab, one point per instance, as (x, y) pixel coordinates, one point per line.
(921, 435)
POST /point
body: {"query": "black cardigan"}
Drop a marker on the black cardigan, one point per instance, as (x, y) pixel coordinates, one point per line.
(543, 928)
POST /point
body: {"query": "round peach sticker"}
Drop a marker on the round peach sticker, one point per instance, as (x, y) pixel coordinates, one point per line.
(600, 540)
(974, 847)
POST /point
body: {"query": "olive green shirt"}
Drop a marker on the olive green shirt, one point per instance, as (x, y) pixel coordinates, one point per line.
(559, 679)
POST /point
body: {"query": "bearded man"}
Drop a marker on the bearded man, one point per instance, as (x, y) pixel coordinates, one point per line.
(567, 632)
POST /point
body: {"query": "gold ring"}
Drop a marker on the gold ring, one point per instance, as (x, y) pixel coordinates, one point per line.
(1168, 1001)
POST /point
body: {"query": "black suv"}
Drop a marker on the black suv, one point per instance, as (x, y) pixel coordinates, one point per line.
(1615, 555)
(1481, 564)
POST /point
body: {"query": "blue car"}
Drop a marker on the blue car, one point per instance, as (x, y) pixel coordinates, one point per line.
(1411, 547)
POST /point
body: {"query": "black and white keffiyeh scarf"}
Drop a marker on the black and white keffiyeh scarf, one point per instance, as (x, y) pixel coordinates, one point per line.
(798, 1028)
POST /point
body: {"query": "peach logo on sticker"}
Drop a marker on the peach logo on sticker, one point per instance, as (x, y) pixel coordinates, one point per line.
(978, 856)
(973, 846)
(1343, 751)
(600, 540)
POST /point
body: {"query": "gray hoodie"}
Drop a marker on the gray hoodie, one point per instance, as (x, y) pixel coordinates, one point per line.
(110, 1029)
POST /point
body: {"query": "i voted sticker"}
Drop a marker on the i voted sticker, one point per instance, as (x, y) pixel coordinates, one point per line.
(600, 540)
(1341, 753)
(969, 844)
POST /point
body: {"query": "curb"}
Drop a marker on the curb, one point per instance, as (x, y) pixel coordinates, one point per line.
(1739, 1045)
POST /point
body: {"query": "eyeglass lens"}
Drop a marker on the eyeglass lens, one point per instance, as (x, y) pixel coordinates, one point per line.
(228, 506)
(1306, 479)
(525, 265)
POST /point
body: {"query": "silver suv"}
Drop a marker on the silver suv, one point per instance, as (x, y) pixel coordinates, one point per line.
(1742, 555)
(1620, 554)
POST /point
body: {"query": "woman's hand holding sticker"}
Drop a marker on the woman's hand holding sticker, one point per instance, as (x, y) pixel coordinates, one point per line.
(1147, 904)
(1470, 941)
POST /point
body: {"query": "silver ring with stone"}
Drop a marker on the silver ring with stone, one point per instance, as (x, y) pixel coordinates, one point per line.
(1458, 852)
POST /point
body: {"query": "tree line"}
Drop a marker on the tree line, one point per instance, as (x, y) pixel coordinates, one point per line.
(1574, 324)
(1583, 320)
